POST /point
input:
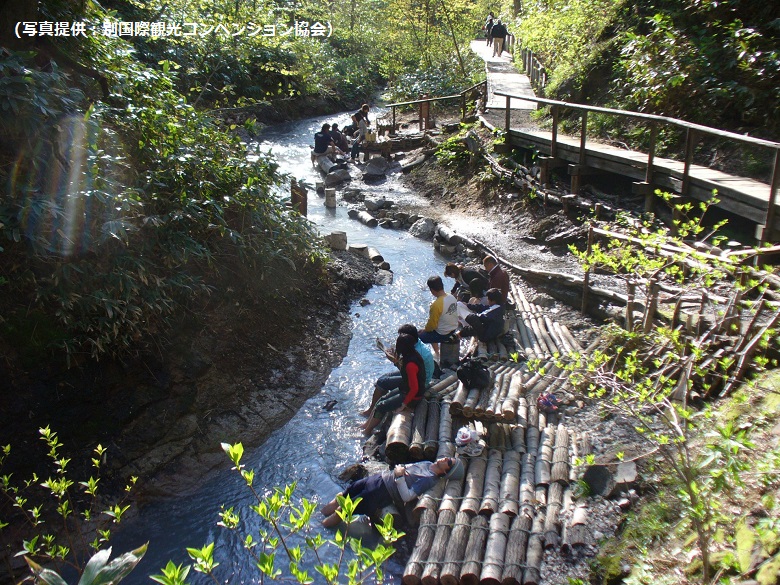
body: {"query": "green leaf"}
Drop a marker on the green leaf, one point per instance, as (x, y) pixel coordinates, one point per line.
(45, 575)
(114, 571)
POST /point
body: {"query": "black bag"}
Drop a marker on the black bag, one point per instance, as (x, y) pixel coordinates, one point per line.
(474, 374)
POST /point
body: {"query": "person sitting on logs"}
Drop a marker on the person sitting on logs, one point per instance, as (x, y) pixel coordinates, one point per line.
(338, 138)
(411, 388)
(387, 382)
(323, 143)
(497, 277)
(397, 486)
(485, 324)
(468, 280)
(442, 316)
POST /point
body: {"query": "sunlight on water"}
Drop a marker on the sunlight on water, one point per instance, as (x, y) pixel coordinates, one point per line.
(316, 445)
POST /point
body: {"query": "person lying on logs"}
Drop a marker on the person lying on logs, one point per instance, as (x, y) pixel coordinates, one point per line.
(397, 486)
(487, 324)
(411, 387)
(392, 380)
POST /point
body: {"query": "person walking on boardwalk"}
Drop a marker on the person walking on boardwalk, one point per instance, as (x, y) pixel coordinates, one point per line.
(499, 34)
(412, 384)
(489, 29)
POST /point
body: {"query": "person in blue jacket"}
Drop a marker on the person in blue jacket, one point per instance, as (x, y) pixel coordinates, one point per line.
(485, 323)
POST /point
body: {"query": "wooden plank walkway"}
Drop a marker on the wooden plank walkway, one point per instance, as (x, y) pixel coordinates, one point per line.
(742, 196)
(503, 77)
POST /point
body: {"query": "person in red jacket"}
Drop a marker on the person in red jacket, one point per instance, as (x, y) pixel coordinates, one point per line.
(412, 383)
(498, 277)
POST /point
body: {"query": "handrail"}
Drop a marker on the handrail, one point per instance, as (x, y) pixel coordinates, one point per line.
(643, 116)
(446, 97)
(473, 87)
(692, 132)
(461, 96)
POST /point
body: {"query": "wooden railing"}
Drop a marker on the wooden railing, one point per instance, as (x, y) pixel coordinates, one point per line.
(480, 88)
(693, 133)
(533, 68)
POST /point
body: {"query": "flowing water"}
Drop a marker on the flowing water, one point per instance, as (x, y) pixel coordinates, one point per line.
(316, 445)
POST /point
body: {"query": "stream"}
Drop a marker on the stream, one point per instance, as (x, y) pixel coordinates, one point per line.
(316, 445)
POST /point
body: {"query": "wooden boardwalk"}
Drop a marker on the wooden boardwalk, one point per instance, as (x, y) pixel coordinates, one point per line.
(503, 77)
(742, 196)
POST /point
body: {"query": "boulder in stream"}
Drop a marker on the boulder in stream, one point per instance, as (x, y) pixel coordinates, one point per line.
(424, 228)
(376, 168)
(383, 277)
(337, 177)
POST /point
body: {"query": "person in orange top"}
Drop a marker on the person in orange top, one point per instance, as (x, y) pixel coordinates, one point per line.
(412, 383)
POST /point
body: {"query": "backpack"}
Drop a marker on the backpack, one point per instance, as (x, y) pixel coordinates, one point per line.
(474, 374)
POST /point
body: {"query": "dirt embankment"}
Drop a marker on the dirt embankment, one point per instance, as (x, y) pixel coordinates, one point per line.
(237, 368)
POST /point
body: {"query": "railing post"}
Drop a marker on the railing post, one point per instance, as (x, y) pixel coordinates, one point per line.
(393, 119)
(575, 178)
(554, 143)
(649, 195)
(507, 119)
(690, 135)
(463, 106)
(769, 222)
(651, 154)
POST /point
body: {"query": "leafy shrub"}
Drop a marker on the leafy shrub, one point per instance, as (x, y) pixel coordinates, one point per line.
(157, 199)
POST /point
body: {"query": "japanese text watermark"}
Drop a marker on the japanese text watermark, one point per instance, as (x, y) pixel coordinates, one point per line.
(122, 28)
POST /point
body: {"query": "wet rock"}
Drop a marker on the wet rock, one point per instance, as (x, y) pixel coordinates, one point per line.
(329, 405)
(423, 228)
(364, 302)
(351, 194)
(376, 168)
(373, 204)
(383, 277)
(337, 177)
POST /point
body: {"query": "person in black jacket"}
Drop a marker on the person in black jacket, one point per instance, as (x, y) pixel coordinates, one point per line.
(499, 34)
(469, 280)
(487, 324)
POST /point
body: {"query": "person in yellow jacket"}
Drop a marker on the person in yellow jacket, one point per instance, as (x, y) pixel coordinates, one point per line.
(442, 318)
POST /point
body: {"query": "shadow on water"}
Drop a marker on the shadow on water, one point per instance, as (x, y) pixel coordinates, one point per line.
(315, 446)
